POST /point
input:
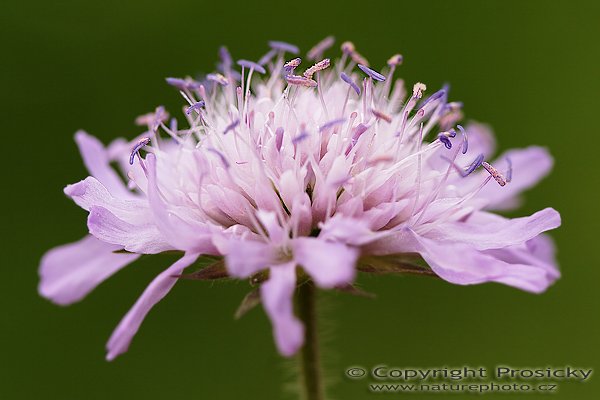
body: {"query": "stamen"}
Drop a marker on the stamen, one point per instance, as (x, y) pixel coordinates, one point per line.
(443, 137)
(509, 170)
(331, 124)
(317, 51)
(472, 167)
(220, 155)
(380, 115)
(465, 145)
(373, 74)
(320, 66)
(349, 49)
(498, 177)
(358, 131)
(225, 57)
(183, 84)
(303, 135)
(291, 65)
(231, 126)
(418, 90)
(283, 46)
(267, 57)
(350, 82)
(395, 60)
(195, 107)
(300, 81)
(433, 97)
(141, 143)
(218, 78)
(252, 66)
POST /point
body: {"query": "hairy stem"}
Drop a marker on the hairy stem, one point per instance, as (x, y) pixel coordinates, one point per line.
(311, 379)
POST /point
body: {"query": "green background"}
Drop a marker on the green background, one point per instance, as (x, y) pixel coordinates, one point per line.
(529, 68)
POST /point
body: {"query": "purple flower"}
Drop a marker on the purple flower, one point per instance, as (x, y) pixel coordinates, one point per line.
(364, 181)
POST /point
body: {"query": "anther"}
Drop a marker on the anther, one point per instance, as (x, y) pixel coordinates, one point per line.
(350, 82)
(498, 177)
(395, 60)
(444, 138)
(195, 107)
(141, 143)
(283, 46)
(320, 66)
(373, 74)
(509, 170)
(472, 167)
(317, 51)
(252, 66)
(331, 124)
(292, 64)
(300, 81)
(418, 90)
(383, 116)
(465, 145)
(218, 78)
(278, 138)
(220, 155)
(231, 126)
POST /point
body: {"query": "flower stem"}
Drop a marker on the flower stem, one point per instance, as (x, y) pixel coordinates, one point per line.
(311, 379)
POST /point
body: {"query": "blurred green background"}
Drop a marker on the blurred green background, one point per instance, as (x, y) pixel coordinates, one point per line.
(529, 68)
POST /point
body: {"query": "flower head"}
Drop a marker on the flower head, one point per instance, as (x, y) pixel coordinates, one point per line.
(291, 176)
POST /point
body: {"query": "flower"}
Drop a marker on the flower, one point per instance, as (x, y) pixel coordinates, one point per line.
(291, 176)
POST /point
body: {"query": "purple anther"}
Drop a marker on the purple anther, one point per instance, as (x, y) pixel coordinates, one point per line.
(465, 145)
(267, 57)
(383, 116)
(350, 82)
(279, 138)
(179, 83)
(300, 81)
(509, 170)
(498, 177)
(318, 50)
(225, 57)
(332, 123)
(218, 78)
(444, 139)
(395, 60)
(231, 126)
(283, 46)
(433, 97)
(302, 136)
(252, 66)
(195, 107)
(373, 74)
(472, 167)
(220, 155)
(292, 64)
(141, 143)
(173, 125)
(358, 131)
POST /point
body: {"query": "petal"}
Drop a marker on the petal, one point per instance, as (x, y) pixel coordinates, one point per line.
(488, 231)
(96, 160)
(91, 192)
(158, 288)
(245, 257)
(329, 264)
(69, 272)
(277, 298)
(464, 265)
(139, 238)
(181, 233)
